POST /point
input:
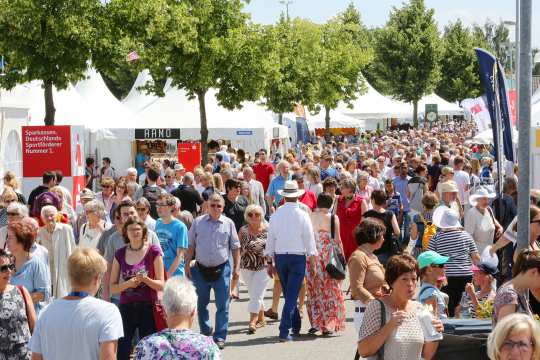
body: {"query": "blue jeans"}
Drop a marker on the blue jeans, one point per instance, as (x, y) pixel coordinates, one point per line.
(291, 270)
(221, 293)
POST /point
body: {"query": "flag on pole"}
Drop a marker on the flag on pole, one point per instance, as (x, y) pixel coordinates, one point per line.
(479, 112)
(493, 79)
(132, 56)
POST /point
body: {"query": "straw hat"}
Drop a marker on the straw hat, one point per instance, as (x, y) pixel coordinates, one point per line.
(290, 190)
(481, 193)
(446, 218)
(449, 186)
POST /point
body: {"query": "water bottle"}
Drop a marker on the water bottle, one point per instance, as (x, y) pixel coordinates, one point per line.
(465, 307)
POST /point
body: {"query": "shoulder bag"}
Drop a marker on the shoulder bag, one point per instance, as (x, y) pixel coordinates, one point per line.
(157, 308)
(336, 263)
(380, 352)
(26, 306)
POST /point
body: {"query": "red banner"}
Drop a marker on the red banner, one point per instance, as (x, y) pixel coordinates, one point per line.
(46, 148)
(512, 99)
(189, 154)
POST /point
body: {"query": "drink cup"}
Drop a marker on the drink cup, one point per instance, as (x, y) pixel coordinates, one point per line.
(430, 333)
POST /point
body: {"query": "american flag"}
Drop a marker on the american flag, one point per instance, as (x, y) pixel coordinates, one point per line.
(132, 56)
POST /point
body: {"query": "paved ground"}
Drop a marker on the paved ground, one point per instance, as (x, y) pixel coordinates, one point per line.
(264, 344)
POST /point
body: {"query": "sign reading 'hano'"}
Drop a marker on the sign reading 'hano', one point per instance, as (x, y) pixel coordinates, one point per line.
(162, 134)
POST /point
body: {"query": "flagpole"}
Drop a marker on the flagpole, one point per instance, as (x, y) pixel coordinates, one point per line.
(524, 120)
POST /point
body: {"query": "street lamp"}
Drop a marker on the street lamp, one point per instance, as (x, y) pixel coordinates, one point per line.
(286, 3)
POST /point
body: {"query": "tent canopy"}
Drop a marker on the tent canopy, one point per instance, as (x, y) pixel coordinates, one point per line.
(535, 114)
(443, 107)
(107, 111)
(337, 121)
(536, 97)
(138, 99)
(374, 105)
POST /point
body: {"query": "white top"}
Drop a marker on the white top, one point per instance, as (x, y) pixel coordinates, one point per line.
(314, 188)
(74, 329)
(290, 231)
(480, 226)
(150, 223)
(462, 180)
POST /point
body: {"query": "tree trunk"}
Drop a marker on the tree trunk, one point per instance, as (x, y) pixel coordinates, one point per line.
(280, 119)
(204, 127)
(49, 103)
(327, 120)
(415, 114)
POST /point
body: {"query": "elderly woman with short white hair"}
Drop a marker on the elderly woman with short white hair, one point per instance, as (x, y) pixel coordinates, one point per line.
(59, 241)
(178, 341)
(15, 211)
(91, 231)
(517, 336)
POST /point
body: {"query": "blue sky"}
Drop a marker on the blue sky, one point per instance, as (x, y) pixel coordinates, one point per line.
(375, 12)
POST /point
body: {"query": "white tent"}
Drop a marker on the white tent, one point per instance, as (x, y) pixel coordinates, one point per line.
(337, 121)
(535, 114)
(486, 137)
(443, 107)
(536, 97)
(107, 111)
(138, 99)
(14, 113)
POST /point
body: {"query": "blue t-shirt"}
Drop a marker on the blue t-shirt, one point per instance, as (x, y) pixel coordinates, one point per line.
(330, 172)
(34, 276)
(394, 203)
(427, 291)
(401, 186)
(139, 162)
(172, 236)
(276, 184)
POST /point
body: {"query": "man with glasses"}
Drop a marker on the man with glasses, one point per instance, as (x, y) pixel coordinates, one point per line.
(170, 181)
(212, 237)
(172, 234)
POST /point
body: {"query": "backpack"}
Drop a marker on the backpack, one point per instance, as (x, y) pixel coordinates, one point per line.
(429, 230)
(151, 193)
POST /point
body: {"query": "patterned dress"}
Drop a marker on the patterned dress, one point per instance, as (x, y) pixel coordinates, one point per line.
(325, 304)
(172, 344)
(14, 330)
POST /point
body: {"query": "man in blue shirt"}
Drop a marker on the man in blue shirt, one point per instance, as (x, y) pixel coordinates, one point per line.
(277, 183)
(401, 186)
(326, 169)
(172, 235)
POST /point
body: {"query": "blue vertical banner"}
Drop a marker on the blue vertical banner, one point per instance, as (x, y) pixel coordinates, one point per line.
(492, 76)
(506, 117)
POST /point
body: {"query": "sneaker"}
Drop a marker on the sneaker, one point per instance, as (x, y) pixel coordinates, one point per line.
(271, 314)
(313, 331)
(286, 339)
(220, 344)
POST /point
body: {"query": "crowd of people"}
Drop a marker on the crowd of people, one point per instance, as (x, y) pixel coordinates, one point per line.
(411, 218)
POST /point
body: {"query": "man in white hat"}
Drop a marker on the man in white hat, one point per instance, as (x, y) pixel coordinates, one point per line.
(290, 241)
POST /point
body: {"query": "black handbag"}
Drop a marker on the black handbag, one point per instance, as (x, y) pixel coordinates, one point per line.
(211, 274)
(336, 266)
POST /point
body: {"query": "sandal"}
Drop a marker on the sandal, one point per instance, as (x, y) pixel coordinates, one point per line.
(252, 329)
(313, 331)
(261, 324)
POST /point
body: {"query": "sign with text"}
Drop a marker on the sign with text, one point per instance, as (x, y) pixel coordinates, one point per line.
(157, 134)
(244, 132)
(189, 154)
(46, 148)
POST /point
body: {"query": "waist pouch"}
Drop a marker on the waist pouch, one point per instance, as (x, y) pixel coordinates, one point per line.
(212, 273)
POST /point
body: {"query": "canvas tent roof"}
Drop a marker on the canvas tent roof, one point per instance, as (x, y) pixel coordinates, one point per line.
(374, 105)
(536, 97)
(535, 114)
(107, 111)
(443, 107)
(337, 121)
(138, 99)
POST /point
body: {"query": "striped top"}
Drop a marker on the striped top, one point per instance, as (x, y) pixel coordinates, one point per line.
(458, 245)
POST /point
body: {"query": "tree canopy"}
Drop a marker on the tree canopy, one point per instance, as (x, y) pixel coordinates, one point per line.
(47, 40)
(407, 54)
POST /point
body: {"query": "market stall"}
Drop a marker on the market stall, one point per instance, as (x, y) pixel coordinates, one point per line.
(340, 124)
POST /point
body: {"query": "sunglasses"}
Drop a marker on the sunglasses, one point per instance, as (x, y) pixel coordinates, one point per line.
(440, 266)
(254, 215)
(168, 176)
(216, 206)
(6, 268)
(106, 186)
(12, 214)
(141, 209)
(162, 204)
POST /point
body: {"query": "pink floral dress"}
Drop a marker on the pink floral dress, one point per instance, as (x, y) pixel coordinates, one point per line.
(325, 303)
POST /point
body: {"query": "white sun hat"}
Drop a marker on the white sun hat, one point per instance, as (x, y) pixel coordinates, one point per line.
(446, 218)
(481, 193)
(290, 190)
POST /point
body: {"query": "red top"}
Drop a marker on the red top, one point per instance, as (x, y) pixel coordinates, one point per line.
(263, 173)
(308, 198)
(349, 218)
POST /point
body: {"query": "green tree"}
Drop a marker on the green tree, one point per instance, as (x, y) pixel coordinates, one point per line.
(344, 52)
(407, 54)
(293, 53)
(460, 77)
(495, 37)
(47, 40)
